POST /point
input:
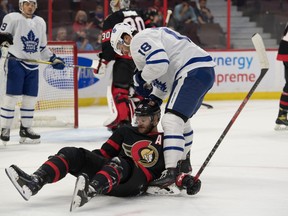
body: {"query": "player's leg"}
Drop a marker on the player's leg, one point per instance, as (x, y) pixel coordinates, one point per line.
(68, 160)
(188, 94)
(111, 174)
(122, 79)
(14, 86)
(281, 121)
(29, 99)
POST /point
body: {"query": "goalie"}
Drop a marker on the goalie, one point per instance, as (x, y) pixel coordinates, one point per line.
(126, 163)
(23, 35)
(120, 98)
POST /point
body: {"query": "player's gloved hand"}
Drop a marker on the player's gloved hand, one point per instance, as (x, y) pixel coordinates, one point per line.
(141, 86)
(155, 99)
(186, 181)
(57, 62)
(100, 66)
(6, 39)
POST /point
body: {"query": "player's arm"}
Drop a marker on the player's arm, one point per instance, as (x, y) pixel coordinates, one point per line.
(150, 56)
(112, 146)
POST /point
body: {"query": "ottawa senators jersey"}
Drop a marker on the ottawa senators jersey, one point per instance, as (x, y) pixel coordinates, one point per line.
(124, 15)
(145, 150)
(282, 54)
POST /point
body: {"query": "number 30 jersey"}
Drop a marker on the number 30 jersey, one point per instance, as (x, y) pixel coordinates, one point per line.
(126, 15)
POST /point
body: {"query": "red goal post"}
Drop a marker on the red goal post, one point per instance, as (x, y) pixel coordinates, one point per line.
(58, 89)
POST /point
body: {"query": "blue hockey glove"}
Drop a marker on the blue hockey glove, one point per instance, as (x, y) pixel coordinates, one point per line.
(141, 87)
(57, 62)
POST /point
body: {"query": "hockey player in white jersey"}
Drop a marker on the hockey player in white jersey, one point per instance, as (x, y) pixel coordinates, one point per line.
(169, 65)
(29, 42)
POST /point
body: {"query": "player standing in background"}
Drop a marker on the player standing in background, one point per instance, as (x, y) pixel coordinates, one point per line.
(171, 64)
(281, 121)
(29, 42)
(123, 68)
(125, 164)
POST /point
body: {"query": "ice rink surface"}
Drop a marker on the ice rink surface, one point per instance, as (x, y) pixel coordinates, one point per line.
(247, 176)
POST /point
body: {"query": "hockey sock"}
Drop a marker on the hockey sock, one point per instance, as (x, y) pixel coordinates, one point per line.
(110, 176)
(55, 169)
(284, 101)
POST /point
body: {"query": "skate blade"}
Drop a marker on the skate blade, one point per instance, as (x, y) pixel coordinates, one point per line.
(4, 143)
(280, 127)
(13, 176)
(76, 200)
(169, 190)
(24, 140)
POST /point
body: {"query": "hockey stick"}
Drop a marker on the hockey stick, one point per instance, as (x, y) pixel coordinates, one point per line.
(264, 64)
(169, 12)
(207, 105)
(88, 66)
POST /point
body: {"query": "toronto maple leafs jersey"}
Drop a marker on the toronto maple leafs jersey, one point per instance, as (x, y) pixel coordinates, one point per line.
(29, 36)
(164, 55)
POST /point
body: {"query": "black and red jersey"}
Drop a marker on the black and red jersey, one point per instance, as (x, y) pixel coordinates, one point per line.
(125, 15)
(144, 150)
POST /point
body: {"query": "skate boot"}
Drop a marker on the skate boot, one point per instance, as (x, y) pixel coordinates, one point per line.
(27, 185)
(167, 178)
(184, 166)
(25, 133)
(83, 192)
(5, 135)
(281, 121)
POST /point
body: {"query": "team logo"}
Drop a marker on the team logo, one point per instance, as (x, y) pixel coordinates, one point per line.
(142, 152)
(30, 43)
(160, 85)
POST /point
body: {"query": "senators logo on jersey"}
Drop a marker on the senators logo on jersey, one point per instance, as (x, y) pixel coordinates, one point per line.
(142, 152)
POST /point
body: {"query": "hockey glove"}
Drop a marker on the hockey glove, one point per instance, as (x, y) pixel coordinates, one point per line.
(6, 39)
(185, 181)
(57, 62)
(141, 87)
(100, 66)
(156, 99)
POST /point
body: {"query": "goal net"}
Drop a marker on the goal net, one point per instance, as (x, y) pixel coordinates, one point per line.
(57, 101)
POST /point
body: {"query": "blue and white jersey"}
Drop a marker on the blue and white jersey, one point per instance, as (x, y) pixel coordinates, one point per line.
(29, 36)
(164, 55)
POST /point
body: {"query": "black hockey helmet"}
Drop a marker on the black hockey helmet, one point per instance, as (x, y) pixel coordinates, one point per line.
(145, 108)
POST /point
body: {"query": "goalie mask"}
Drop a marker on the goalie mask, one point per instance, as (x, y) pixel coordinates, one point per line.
(21, 2)
(117, 35)
(119, 4)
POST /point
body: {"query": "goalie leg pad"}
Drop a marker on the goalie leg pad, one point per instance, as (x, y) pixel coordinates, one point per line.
(121, 106)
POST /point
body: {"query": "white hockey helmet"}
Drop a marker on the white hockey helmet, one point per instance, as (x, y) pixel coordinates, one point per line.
(116, 35)
(119, 4)
(22, 1)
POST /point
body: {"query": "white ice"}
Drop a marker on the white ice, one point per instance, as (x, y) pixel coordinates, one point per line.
(247, 175)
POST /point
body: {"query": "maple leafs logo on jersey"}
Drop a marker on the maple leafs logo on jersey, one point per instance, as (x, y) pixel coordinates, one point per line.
(30, 42)
(161, 86)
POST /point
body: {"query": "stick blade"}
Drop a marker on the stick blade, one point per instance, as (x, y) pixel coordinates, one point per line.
(261, 51)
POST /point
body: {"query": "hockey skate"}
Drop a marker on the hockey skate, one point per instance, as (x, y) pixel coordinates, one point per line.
(281, 121)
(5, 135)
(27, 185)
(184, 166)
(25, 133)
(168, 177)
(83, 192)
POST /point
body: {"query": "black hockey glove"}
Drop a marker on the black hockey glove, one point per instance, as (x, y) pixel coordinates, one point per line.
(185, 181)
(6, 39)
(141, 87)
(156, 99)
(57, 62)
